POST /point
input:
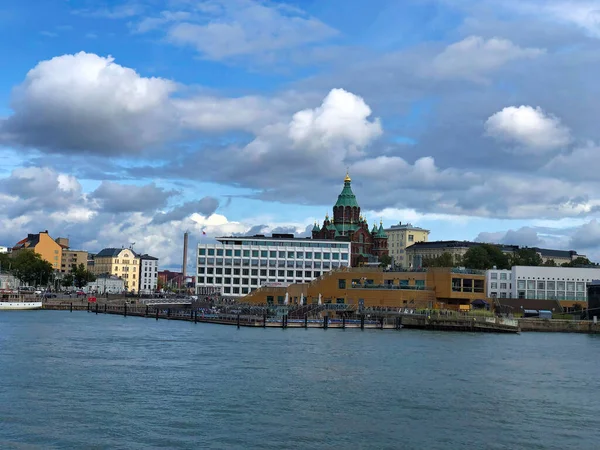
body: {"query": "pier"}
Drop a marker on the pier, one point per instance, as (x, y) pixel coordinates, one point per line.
(431, 321)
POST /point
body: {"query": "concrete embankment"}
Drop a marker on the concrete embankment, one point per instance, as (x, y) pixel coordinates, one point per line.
(559, 326)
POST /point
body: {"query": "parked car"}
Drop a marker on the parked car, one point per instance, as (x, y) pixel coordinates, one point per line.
(38, 292)
(50, 295)
(80, 293)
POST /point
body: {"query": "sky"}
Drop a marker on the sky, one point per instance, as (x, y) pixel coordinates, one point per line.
(132, 122)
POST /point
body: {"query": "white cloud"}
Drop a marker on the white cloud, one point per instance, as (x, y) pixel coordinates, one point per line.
(85, 102)
(246, 27)
(530, 128)
(342, 119)
(474, 56)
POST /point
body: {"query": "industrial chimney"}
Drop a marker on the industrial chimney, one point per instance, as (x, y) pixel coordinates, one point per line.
(185, 248)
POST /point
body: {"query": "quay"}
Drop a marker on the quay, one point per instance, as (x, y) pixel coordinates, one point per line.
(431, 321)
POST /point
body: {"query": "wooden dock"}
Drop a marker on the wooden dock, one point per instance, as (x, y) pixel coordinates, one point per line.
(439, 322)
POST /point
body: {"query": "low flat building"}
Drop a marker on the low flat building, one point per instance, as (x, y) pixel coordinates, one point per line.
(552, 283)
(374, 288)
(236, 266)
(499, 283)
(400, 237)
(106, 284)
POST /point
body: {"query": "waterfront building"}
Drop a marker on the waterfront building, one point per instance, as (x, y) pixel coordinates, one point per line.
(235, 266)
(418, 252)
(348, 224)
(552, 283)
(148, 274)
(105, 284)
(400, 237)
(362, 287)
(9, 281)
(42, 244)
(499, 283)
(3, 249)
(121, 262)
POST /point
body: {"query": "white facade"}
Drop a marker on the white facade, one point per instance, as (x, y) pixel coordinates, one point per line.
(8, 281)
(148, 274)
(552, 283)
(499, 283)
(3, 249)
(238, 265)
(105, 284)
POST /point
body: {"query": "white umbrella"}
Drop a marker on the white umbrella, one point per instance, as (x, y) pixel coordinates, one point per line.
(287, 299)
(320, 302)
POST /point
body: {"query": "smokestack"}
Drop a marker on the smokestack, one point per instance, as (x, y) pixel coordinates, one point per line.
(185, 248)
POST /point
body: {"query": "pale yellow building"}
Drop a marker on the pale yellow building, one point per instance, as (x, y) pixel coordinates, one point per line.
(42, 244)
(401, 236)
(70, 257)
(121, 262)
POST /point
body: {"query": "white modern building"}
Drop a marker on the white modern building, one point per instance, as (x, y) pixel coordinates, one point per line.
(235, 266)
(499, 283)
(105, 284)
(3, 249)
(543, 283)
(148, 274)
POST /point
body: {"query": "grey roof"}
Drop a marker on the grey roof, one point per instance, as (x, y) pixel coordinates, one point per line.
(148, 257)
(457, 244)
(275, 237)
(405, 226)
(555, 253)
(113, 252)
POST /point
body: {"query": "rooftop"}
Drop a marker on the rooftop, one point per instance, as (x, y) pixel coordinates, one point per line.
(405, 226)
(112, 252)
(273, 237)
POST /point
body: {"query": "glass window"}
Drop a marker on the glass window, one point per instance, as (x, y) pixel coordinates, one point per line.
(317, 265)
(541, 285)
(236, 271)
(280, 299)
(326, 256)
(580, 287)
(531, 285)
(236, 281)
(210, 270)
(255, 253)
(502, 285)
(299, 254)
(269, 299)
(245, 271)
(281, 273)
(246, 253)
(307, 274)
(227, 290)
(272, 273)
(494, 276)
(236, 290)
(219, 252)
(272, 254)
(335, 256)
(308, 255)
(503, 276)
(290, 254)
(219, 270)
(298, 274)
(245, 280)
(202, 251)
(200, 269)
(200, 279)
(254, 272)
(228, 252)
(551, 285)
(263, 272)
(317, 255)
(317, 274)
(531, 294)
(290, 274)
(344, 256)
(282, 254)
(494, 285)
(218, 280)
(227, 280)
(211, 252)
(264, 253)
(341, 284)
(254, 282)
(237, 253)
(570, 286)
(209, 280)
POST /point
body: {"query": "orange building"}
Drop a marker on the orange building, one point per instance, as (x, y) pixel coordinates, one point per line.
(373, 287)
(42, 244)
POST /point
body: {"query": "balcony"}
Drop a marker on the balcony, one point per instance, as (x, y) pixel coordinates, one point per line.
(390, 287)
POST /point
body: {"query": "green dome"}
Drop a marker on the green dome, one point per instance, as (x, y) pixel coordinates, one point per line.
(347, 197)
(381, 232)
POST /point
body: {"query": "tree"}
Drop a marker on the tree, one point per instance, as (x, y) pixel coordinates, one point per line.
(67, 280)
(5, 262)
(81, 275)
(526, 257)
(498, 258)
(477, 258)
(30, 268)
(385, 260)
(444, 260)
(549, 263)
(579, 261)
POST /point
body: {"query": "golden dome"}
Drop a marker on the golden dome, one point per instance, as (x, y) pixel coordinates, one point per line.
(347, 179)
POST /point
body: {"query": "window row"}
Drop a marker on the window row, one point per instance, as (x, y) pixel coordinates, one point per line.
(494, 285)
(539, 295)
(551, 285)
(271, 254)
(503, 276)
(265, 263)
(298, 243)
(289, 276)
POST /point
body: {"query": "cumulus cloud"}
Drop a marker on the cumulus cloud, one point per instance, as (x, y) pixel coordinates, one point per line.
(88, 103)
(474, 56)
(587, 236)
(117, 198)
(530, 128)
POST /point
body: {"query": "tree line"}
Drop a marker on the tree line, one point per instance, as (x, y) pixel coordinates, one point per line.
(31, 269)
(487, 256)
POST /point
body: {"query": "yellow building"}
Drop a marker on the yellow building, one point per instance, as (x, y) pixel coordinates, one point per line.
(42, 244)
(401, 236)
(121, 262)
(372, 287)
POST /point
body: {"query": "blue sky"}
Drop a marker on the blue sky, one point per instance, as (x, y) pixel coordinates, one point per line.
(474, 119)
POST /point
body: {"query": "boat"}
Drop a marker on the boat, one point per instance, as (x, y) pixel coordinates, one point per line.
(15, 301)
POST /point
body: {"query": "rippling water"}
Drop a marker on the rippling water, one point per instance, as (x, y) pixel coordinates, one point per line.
(77, 380)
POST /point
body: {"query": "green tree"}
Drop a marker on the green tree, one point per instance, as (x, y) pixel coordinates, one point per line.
(526, 257)
(549, 263)
(444, 260)
(385, 260)
(478, 258)
(81, 275)
(5, 262)
(30, 268)
(579, 261)
(497, 257)
(67, 280)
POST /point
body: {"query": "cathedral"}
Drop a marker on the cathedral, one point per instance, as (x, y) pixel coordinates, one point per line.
(349, 224)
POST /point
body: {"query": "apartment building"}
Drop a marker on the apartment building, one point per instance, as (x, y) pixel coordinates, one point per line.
(148, 274)
(400, 237)
(42, 244)
(121, 262)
